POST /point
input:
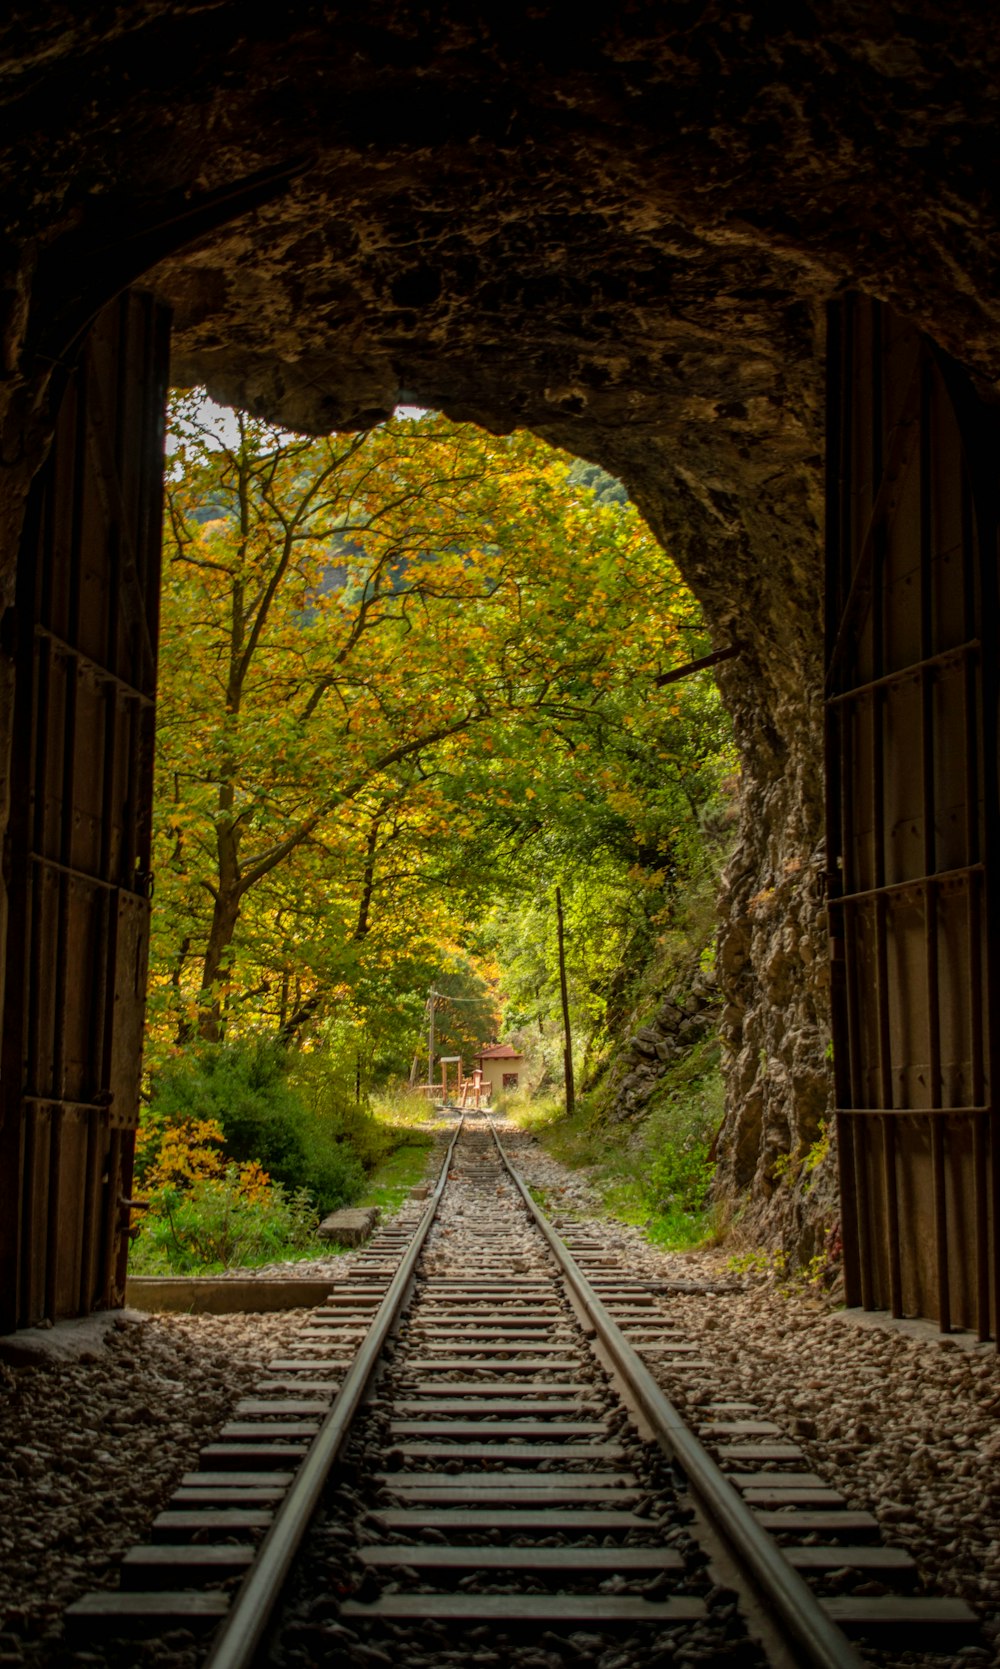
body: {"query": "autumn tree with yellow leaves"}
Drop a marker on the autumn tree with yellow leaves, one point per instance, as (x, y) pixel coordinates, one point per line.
(395, 666)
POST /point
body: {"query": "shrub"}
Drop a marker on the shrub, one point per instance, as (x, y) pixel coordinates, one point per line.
(238, 1217)
(244, 1091)
(680, 1175)
(324, 1081)
(677, 1142)
(175, 1155)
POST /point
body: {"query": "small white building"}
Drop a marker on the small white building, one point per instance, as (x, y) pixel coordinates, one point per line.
(501, 1067)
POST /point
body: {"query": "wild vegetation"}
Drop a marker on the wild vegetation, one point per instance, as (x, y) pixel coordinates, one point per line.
(654, 1169)
(411, 682)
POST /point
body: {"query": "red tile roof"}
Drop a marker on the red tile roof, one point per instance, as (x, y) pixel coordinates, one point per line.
(498, 1052)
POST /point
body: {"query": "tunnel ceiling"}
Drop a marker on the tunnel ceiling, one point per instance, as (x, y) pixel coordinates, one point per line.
(620, 237)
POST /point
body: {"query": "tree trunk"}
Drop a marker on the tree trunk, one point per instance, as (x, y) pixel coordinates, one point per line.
(290, 1028)
(367, 883)
(228, 892)
(224, 918)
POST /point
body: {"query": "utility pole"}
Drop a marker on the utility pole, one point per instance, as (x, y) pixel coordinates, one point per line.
(430, 1037)
(568, 1047)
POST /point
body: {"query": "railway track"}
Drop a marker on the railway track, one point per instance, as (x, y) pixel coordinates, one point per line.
(490, 1472)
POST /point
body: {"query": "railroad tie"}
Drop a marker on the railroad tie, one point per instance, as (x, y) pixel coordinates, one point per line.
(512, 1486)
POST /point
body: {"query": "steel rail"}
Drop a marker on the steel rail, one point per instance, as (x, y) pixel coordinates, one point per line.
(818, 1640)
(250, 1615)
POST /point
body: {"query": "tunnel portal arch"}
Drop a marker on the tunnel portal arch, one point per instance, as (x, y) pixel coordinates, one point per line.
(911, 803)
(621, 234)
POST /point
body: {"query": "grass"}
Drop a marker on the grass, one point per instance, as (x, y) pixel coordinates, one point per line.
(653, 1172)
(400, 1108)
(211, 1226)
(407, 1126)
(392, 1180)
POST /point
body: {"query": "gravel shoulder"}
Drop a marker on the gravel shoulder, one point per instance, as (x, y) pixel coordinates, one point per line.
(908, 1428)
(90, 1450)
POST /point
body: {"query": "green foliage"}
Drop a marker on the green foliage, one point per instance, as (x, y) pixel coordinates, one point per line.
(819, 1151)
(209, 1212)
(777, 1267)
(409, 685)
(605, 488)
(668, 1191)
(245, 1088)
(371, 645)
(656, 1173)
(633, 827)
(217, 1224)
(680, 1174)
(789, 1166)
(757, 1262)
(325, 1080)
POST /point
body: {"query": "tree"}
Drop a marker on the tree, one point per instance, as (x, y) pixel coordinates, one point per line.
(387, 658)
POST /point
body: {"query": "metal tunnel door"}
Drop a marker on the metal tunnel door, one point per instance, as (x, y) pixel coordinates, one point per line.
(78, 849)
(912, 819)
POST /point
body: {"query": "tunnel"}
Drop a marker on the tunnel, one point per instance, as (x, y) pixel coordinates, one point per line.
(744, 261)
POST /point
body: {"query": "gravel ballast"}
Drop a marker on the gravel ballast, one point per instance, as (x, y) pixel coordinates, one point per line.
(90, 1451)
(906, 1426)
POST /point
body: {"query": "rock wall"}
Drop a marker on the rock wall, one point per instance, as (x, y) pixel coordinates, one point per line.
(776, 1035)
(621, 235)
(688, 1012)
(772, 952)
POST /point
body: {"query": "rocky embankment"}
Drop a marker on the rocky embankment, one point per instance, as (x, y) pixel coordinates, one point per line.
(776, 1172)
(685, 1015)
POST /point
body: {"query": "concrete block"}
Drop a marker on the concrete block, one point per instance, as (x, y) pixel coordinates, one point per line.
(219, 1295)
(351, 1227)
